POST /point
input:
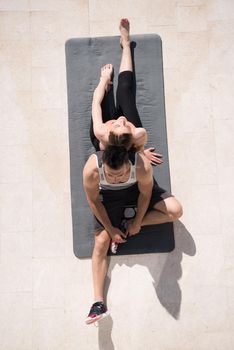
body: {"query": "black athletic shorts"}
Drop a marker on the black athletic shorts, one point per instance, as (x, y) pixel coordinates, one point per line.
(116, 201)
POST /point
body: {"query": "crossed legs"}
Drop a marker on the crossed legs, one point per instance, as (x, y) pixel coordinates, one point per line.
(167, 210)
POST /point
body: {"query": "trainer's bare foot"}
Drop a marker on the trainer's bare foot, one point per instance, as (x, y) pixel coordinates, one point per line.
(124, 28)
(106, 74)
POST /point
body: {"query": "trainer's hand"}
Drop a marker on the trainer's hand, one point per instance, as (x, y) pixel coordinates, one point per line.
(117, 235)
(154, 158)
(133, 228)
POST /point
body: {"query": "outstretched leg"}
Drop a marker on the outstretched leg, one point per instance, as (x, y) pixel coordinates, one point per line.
(126, 59)
(125, 99)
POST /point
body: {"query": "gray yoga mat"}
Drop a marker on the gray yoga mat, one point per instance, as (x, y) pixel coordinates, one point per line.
(84, 58)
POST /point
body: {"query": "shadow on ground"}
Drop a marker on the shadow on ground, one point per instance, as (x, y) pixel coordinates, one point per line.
(165, 270)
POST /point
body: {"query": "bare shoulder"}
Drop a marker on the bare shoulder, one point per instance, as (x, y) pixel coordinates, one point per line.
(143, 166)
(139, 137)
(90, 171)
(103, 136)
(139, 132)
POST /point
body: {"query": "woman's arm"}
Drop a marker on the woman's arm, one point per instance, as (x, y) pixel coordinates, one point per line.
(99, 127)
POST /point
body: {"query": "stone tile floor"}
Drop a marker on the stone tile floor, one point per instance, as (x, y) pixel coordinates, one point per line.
(178, 301)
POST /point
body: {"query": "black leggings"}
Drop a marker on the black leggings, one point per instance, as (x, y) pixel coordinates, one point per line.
(125, 105)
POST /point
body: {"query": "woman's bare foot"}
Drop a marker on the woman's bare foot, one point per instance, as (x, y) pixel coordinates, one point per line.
(124, 28)
(106, 74)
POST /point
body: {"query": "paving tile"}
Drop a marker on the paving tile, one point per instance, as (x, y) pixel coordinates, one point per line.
(16, 212)
(48, 283)
(15, 247)
(48, 329)
(16, 275)
(16, 325)
(14, 25)
(191, 18)
(16, 164)
(48, 227)
(11, 5)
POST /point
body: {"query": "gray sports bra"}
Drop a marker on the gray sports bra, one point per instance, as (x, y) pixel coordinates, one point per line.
(104, 185)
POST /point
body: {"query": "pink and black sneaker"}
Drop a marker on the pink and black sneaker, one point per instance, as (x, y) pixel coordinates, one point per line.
(97, 312)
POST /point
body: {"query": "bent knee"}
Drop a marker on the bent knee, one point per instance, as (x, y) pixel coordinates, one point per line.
(102, 242)
(176, 211)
